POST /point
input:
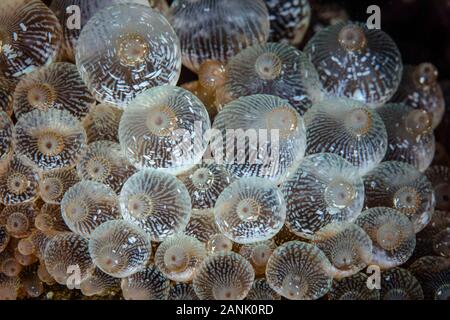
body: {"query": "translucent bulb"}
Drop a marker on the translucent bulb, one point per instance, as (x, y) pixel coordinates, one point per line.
(105, 163)
(9, 265)
(54, 184)
(36, 243)
(299, 271)
(353, 288)
(99, 283)
(217, 30)
(250, 210)
(87, 205)
(420, 89)
(204, 183)
(262, 291)
(325, 188)
(258, 254)
(44, 275)
(356, 62)
(147, 284)
(219, 243)
(410, 135)
(349, 129)
(276, 69)
(212, 75)
(400, 284)
(24, 260)
(50, 139)
(87, 9)
(102, 123)
(18, 183)
(179, 257)
(33, 23)
(346, 245)
(19, 219)
(224, 276)
(127, 48)
(63, 252)
(164, 127)
(119, 248)
(202, 225)
(402, 187)
(58, 86)
(157, 202)
(392, 235)
(261, 135)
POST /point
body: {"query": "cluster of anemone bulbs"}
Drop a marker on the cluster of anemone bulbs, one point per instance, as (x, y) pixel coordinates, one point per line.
(108, 184)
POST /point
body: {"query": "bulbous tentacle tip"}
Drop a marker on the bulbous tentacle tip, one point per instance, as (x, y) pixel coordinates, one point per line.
(352, 38)
(425, 74)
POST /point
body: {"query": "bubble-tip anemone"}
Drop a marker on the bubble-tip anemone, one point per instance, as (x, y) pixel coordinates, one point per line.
(164, 127)
(276, 69)
(356, 62)
(224, 276)
(353, 288)
(346, 245)
(19, 219)
(54, 184)
(262, 291)
(127, 48)
(299, 271)
(58, 86)
(250, 210)
(88, 204)
(50, 139)
(18, 183)
(400, 186)
(419, 89)
(392, 235)
(147, 284)
(104, 162)
(324, 188)
(261, 135)
(433, 274)
(157, 202)
(217, 30)
(205, 182)
(347, 128)
(25, 22)
(400, 284)
(119, 248)
(179, 257)
(410, 135)
(63, 252)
